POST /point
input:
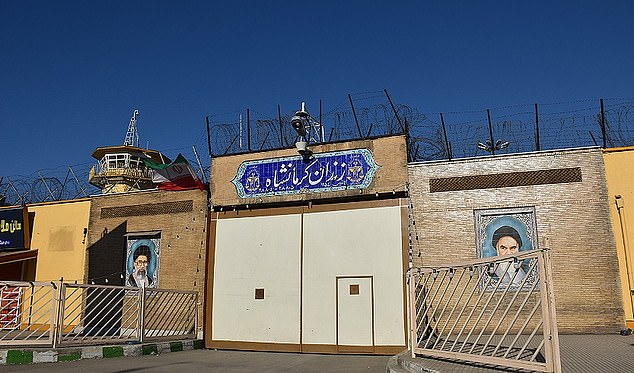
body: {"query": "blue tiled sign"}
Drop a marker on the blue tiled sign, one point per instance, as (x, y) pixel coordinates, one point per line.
(324, 172)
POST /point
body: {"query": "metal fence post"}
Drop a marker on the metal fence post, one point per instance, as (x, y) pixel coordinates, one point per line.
(196, 315)
(57, 312)
(412, 311)
(553, 337)
(141, 314)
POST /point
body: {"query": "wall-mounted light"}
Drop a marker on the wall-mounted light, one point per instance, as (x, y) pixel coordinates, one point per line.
(618, 199)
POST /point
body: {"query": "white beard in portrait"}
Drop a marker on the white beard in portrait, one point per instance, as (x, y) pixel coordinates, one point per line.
(506, 272)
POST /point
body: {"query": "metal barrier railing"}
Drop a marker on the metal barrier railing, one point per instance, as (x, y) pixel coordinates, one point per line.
(28, 312)
(493, 311)
(169, 313)
(59, 313)
(92, 314)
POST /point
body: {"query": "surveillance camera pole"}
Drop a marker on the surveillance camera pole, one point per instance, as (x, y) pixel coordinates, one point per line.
(308, 131)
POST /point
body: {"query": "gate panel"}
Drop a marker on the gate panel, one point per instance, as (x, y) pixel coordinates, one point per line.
(94, 314)
(493, 311)
(256, 285)
(27, 310)
(365, 242)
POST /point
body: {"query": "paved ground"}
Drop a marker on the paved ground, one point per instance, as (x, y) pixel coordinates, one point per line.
(215, 361)
(579, 354)
(597, 353)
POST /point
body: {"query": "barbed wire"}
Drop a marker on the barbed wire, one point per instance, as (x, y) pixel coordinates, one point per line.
(556, 125)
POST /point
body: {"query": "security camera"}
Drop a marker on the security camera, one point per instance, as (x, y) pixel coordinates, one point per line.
(298, 125)
(301, 124)
(300, 120)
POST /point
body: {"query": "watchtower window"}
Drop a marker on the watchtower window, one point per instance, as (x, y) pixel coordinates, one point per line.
(137, 163)
(112, 161)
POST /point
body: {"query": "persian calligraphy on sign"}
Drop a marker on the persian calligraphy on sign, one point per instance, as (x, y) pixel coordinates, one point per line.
(10, 226)
(325, 172)
(13, 228)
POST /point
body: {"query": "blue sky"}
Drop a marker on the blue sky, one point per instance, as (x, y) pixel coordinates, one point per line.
(71, 73)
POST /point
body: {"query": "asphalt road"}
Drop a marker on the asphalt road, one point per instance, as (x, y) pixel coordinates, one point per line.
(215, 361)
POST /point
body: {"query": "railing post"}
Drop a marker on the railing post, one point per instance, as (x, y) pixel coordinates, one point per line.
(196, 316)
(57, 312)
(552, 338)
(141, 313)
(412, 311)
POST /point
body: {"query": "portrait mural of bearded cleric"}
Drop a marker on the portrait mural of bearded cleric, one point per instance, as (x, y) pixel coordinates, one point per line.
(505, 232)
(142, 264)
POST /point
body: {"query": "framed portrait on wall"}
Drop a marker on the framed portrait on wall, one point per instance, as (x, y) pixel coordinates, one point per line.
(143, 260)
(507, 231)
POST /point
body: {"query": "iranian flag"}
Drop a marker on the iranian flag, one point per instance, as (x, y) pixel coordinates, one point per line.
(178, 175)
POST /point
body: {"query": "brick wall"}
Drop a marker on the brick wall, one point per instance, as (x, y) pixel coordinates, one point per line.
(572, 217)
(180, 216)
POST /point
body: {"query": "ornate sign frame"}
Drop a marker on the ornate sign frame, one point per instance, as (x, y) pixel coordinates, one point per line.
(323, 172)
(522, 220)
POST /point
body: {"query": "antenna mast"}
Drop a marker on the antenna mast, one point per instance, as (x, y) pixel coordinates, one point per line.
(132, 136)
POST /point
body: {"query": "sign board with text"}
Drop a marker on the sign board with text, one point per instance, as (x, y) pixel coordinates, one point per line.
(325, 172)
(13, 228)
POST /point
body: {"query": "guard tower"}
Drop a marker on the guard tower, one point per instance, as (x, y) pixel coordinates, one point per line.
(121, 167)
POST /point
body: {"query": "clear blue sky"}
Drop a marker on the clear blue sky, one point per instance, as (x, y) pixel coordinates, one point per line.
(72, 72)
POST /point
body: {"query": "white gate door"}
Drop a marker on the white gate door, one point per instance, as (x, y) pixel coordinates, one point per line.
(355, 316)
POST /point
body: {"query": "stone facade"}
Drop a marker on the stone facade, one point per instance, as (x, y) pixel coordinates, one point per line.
(179, 216)
(572, 220)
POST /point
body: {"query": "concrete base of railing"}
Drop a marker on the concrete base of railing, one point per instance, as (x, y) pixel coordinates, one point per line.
(49, 355)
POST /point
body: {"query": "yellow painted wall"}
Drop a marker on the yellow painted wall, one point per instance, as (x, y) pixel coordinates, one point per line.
(619, 170)
(58, 235)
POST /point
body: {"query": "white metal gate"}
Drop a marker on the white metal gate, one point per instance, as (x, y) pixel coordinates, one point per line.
(496, 310)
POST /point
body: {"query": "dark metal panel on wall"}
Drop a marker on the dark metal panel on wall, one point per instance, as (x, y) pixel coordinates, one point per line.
(14, 229)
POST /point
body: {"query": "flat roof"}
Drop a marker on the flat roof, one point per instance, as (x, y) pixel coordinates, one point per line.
(155, 155)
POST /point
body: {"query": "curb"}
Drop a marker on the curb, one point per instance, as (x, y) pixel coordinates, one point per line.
(33, 356)
(403, 363)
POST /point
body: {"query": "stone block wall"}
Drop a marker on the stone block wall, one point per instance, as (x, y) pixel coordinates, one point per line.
(179, 216)
(572, 220)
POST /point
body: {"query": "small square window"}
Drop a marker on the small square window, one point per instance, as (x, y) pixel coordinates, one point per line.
(259, 293)
(354, 289)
